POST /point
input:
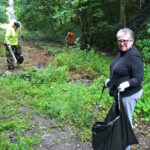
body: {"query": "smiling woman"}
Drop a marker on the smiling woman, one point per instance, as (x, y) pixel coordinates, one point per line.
(125, 39)
(126, 72)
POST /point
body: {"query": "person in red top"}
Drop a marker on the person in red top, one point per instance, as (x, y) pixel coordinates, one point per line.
(70, 35)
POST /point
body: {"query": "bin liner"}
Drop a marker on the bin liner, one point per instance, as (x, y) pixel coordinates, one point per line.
(115, 133)
(18, 55)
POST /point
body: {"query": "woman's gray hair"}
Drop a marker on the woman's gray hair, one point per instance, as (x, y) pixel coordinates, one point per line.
(128, 32)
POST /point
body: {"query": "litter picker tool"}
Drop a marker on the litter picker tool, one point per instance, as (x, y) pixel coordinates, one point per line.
(98, 105)
(13, 55)
(10, 49)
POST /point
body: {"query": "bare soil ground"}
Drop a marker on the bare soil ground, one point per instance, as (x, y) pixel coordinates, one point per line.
(55, 137)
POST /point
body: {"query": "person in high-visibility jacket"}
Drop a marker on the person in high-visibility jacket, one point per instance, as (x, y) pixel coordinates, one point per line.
(70, 35)
(11, 43)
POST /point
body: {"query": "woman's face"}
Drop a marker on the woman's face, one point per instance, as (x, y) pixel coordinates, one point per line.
(124, 42)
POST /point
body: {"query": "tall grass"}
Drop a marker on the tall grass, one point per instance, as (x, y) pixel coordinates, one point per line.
(143, 106)
(76, 58)
(12, 121)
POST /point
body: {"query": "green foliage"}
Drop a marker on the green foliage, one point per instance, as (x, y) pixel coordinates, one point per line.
(143, 106)
(50, 92)
(48, 75)
(89, 20)
(2, 49)
(148, 27)
(23, 143)
(76, 58)
(70, 103)
(2, 34)
(53, 94)
(3, 16)
(106, 36)
(145, 46)
(12, 123)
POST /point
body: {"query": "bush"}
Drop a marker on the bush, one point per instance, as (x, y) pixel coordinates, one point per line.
(3, 16)
(2, 49)
(143, 106)
(76, 58)
(145, 46)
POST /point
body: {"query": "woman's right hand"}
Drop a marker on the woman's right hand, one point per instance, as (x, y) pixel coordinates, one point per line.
(106, 84)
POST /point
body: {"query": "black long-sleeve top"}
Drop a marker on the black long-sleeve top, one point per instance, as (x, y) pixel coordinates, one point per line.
(127, 66)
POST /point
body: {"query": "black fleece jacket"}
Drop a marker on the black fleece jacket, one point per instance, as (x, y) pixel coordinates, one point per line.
(127, 66)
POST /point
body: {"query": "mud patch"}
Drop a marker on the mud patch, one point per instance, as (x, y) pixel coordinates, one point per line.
(142, 132)
(34, 59)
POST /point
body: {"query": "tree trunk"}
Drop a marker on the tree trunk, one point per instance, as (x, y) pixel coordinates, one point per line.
(82, 25)
(122, 13)
(50, 20)
(61, 24)
(142, 2)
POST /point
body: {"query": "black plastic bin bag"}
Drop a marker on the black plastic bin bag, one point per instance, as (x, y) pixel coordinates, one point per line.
(115, 133)
(18, 55)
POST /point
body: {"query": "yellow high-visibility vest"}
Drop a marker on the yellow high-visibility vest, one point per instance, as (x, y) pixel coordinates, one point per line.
(11, 37)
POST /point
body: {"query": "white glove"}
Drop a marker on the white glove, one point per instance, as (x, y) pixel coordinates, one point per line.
(123, 86)
(9, 47)
(106, 83)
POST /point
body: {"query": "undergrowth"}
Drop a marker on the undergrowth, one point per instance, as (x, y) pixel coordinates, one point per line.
(51, 92)
(13, 123)
(2, 51)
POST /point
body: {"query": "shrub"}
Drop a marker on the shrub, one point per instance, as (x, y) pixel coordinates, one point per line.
(145, 46)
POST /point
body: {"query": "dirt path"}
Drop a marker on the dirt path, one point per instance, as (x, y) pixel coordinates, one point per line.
(52, 135)
(34, 56)
(142, 132)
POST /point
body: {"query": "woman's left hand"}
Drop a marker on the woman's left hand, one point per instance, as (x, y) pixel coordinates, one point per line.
(123, 86)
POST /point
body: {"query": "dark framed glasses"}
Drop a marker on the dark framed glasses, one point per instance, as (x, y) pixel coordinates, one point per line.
(123, 41)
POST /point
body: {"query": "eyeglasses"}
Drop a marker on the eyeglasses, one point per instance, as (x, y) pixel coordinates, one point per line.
(123, 41)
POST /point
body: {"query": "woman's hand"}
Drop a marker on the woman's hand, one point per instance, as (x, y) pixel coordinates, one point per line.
(123, 86)
(106, 84)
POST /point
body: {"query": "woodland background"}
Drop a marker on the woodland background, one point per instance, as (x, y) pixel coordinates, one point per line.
(57, 90)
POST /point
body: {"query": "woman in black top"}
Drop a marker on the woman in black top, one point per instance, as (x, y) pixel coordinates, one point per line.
(126, 72)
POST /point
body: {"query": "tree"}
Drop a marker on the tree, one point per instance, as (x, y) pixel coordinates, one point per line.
(122, 13)
(95, 22)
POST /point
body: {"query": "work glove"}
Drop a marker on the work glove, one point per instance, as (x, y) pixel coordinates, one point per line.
(9, 47)
(106, 84)
(123, 86)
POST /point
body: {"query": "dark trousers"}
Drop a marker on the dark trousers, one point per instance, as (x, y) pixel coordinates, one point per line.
(9, 56)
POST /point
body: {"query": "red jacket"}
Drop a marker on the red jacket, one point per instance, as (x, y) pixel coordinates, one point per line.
(71, 36)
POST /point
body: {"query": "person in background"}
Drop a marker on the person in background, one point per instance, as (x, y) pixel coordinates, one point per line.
(11, 43)
(126, 72)
(70, 36)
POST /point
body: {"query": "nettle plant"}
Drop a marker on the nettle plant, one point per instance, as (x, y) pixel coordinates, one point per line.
(145, 46)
